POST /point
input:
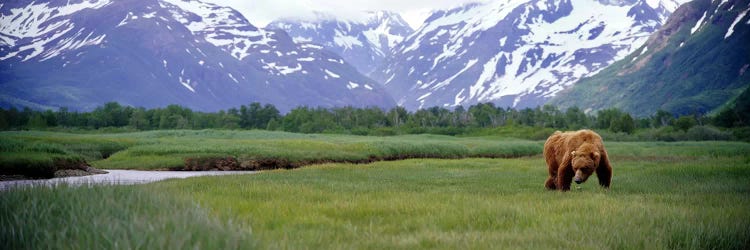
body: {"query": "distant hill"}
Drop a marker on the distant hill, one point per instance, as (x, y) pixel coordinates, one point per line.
(698, 61)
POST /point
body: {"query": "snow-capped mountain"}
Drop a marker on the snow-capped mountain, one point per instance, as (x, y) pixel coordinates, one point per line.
(80, 54)
(515, 53)
(364, 42)
(696, 62)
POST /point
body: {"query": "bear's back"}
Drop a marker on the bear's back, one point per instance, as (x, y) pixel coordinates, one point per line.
(572, 139)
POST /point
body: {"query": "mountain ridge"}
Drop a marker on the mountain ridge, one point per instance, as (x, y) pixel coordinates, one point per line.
(516, 54)
(694, 64)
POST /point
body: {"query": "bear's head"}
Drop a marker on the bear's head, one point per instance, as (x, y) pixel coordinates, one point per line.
(584, 160)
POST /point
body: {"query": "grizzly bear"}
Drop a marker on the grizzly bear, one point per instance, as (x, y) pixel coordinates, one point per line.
(574, 156)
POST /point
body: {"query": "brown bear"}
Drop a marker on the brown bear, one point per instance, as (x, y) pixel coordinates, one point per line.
(574, 156)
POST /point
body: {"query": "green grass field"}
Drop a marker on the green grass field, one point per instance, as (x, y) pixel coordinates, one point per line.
(683, 195)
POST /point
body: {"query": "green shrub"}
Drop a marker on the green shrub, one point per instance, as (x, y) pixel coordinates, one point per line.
(507, 150)
(360, 131)
(742, 133)
(384, 131)
(706, 133)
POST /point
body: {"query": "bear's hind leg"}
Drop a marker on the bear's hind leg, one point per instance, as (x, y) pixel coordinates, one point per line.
(552, 169)
(604, 171)
(605, 176)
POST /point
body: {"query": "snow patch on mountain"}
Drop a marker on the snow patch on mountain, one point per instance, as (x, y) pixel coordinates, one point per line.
(331, 74)
(730, 31)
(346, 41)
(352, 85)
(698, 24)
(131, 17)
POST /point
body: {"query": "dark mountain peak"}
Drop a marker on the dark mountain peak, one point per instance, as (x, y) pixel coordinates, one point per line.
(447, 12)
(389, 18)
(620, 2)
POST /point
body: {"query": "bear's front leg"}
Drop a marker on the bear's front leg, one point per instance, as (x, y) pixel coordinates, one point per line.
(550, 183)
(564, 178)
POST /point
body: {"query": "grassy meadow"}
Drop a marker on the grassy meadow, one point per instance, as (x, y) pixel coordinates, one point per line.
(677, 195)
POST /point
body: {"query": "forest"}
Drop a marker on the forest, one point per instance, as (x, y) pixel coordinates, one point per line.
(479, 119)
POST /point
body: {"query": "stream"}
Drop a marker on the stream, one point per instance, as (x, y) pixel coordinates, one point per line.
(116, 177)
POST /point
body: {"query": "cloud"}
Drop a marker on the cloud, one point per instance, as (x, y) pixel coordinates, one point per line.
(261, 12)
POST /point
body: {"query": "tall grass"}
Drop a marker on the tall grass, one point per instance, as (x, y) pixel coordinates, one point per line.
(325, 149)
(170, 149)
(111, 218)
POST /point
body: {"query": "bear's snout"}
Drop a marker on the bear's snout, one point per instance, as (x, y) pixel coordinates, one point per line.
(580, 177)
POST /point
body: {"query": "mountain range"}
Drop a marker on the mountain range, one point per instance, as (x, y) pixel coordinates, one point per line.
(81, 54)
(695, 63)
(636, 55)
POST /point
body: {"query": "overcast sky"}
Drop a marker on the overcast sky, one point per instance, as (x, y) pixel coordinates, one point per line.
(261, 12)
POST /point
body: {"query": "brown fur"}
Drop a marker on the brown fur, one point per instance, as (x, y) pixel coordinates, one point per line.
(576, 155)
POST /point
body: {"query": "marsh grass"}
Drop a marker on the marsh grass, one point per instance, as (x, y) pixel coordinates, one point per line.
(170, 149)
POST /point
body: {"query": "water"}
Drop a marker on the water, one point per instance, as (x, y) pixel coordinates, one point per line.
(116, 177)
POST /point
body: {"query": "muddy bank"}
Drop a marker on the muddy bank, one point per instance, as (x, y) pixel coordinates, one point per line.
(83, 171)
(60, 172)
(55, 168)
(230, 163)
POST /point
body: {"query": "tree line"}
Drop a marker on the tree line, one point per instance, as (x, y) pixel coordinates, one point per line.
(253, 116)
(350, 120)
